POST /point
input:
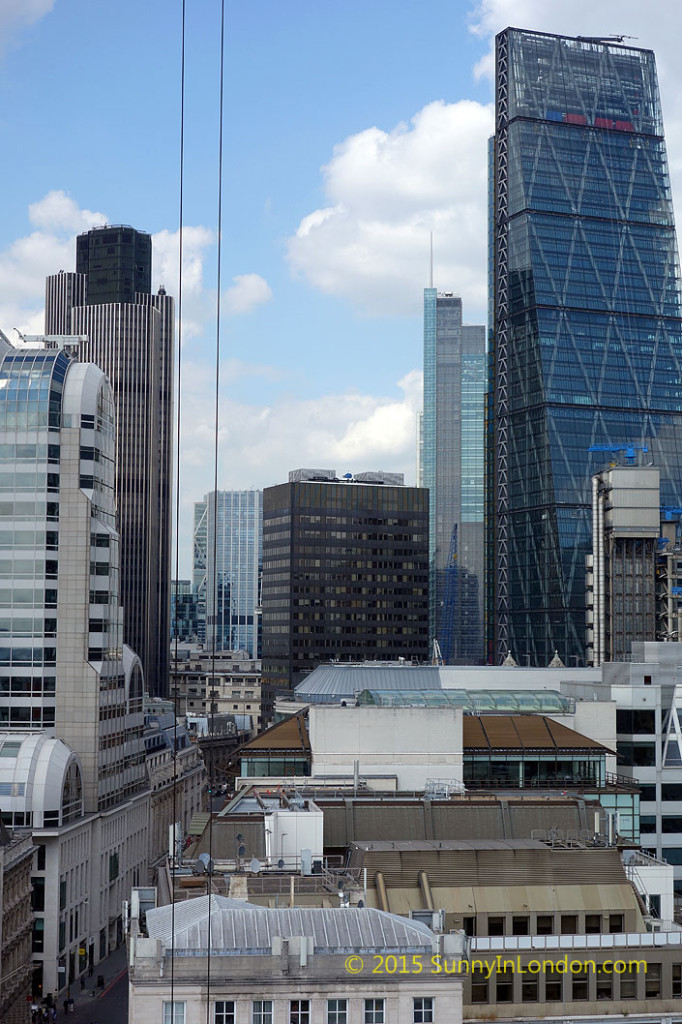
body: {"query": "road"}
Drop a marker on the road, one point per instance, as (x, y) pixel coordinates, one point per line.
(109, 1008)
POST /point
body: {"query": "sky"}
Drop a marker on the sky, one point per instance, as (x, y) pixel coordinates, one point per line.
(351, 131)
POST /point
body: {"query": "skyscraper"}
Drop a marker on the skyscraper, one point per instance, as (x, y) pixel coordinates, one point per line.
(587, 340)
(345, 573)
(72, 763)
(452, 468)
(129, 334)
(227, 577)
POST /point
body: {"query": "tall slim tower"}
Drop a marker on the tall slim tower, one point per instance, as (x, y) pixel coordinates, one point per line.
(586, 336)
(452, 468)
(129, 335)
(228, 586)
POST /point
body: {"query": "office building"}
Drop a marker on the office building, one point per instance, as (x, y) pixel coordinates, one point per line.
(128, 333)
(287, 964)
(586, 346)
(228, 532)
(72, 764)
(345, 573)
(451, 461)
(184, 618)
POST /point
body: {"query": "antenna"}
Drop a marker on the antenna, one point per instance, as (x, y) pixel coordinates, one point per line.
(431, 261)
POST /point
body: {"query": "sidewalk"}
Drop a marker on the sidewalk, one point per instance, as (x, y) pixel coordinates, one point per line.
(110, 968)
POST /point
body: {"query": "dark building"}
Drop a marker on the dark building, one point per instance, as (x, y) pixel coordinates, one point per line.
(345, 573)
(586, 345)
(117, 261)
(129, 335)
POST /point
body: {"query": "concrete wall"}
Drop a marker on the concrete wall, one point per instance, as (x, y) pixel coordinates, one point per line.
(415, 744)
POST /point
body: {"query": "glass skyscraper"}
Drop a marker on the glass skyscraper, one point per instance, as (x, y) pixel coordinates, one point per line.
(228, 559)
(452, 453)
(586, 343)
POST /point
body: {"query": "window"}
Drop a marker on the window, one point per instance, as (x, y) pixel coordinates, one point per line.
(580, 986)
(299, 1011)
(495, 926)
(423, 1010)
(529, 990)
(337, 1011)
(604, 984)
(569, 924)
(615, 923)
(592, 924)
(504, 987)
(223, 1012)
(652, 981)
(553, 990)
(174, 1013)
(519, 926)
(545, 924)
(261, 1011)
(479, 988)
(374, 1011)
(677, 981)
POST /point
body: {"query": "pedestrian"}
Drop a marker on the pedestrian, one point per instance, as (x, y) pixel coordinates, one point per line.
(66, 1005)
(82, 983)
(91, 970)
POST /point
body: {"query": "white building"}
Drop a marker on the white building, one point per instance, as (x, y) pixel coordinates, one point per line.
(274, 966)
(72, 753)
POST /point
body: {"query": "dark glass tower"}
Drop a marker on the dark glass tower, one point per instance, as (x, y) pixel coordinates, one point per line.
(130, 337)
(586, 343)
(117, 261)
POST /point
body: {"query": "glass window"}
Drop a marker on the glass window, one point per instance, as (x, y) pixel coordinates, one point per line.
(615, 923)
(592, 924)
(174, 1013)
(479, 988)
(223, 1012)
(652, 981)
(504, 987)
(677, 981)
(374, 1011)
(553, 990)
(423, 1010)
(261, 1011)
(495, 926)
(545, 925)
(628, 985)
(337, 1011)
(520, 925)
(580, 986)
(299, 1011)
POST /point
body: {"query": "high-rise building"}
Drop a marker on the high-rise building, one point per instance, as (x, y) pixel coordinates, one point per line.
(128, 332)
(452, 455)
(228, 543)
(72, 760)
(345, 573)
(184, 620)
(586, 344)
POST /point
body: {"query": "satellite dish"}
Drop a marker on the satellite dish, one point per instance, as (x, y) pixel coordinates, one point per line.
(280, 863)
(361, 904)
(241, 851)
(254, 866)
(239, 837)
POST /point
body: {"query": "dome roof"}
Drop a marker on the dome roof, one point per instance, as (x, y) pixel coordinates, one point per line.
(34, 768)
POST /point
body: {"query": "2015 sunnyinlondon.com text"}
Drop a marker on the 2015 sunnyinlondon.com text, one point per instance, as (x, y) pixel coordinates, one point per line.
(439, 964)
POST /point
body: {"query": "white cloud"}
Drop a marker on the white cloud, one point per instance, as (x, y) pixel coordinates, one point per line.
(387, 191)
(247, 292)
(18, 14)
(58, 212)
(349, 431)
(197, 305)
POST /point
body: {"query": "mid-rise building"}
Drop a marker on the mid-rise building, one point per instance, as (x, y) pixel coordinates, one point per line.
(128, 333)
(16, 925)
(228, 531)
(345, 573)
(451, 464)
(586, 344)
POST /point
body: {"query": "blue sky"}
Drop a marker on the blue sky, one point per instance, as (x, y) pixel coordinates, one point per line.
(351, 130)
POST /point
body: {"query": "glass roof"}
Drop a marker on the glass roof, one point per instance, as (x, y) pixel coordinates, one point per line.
(472, 701)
